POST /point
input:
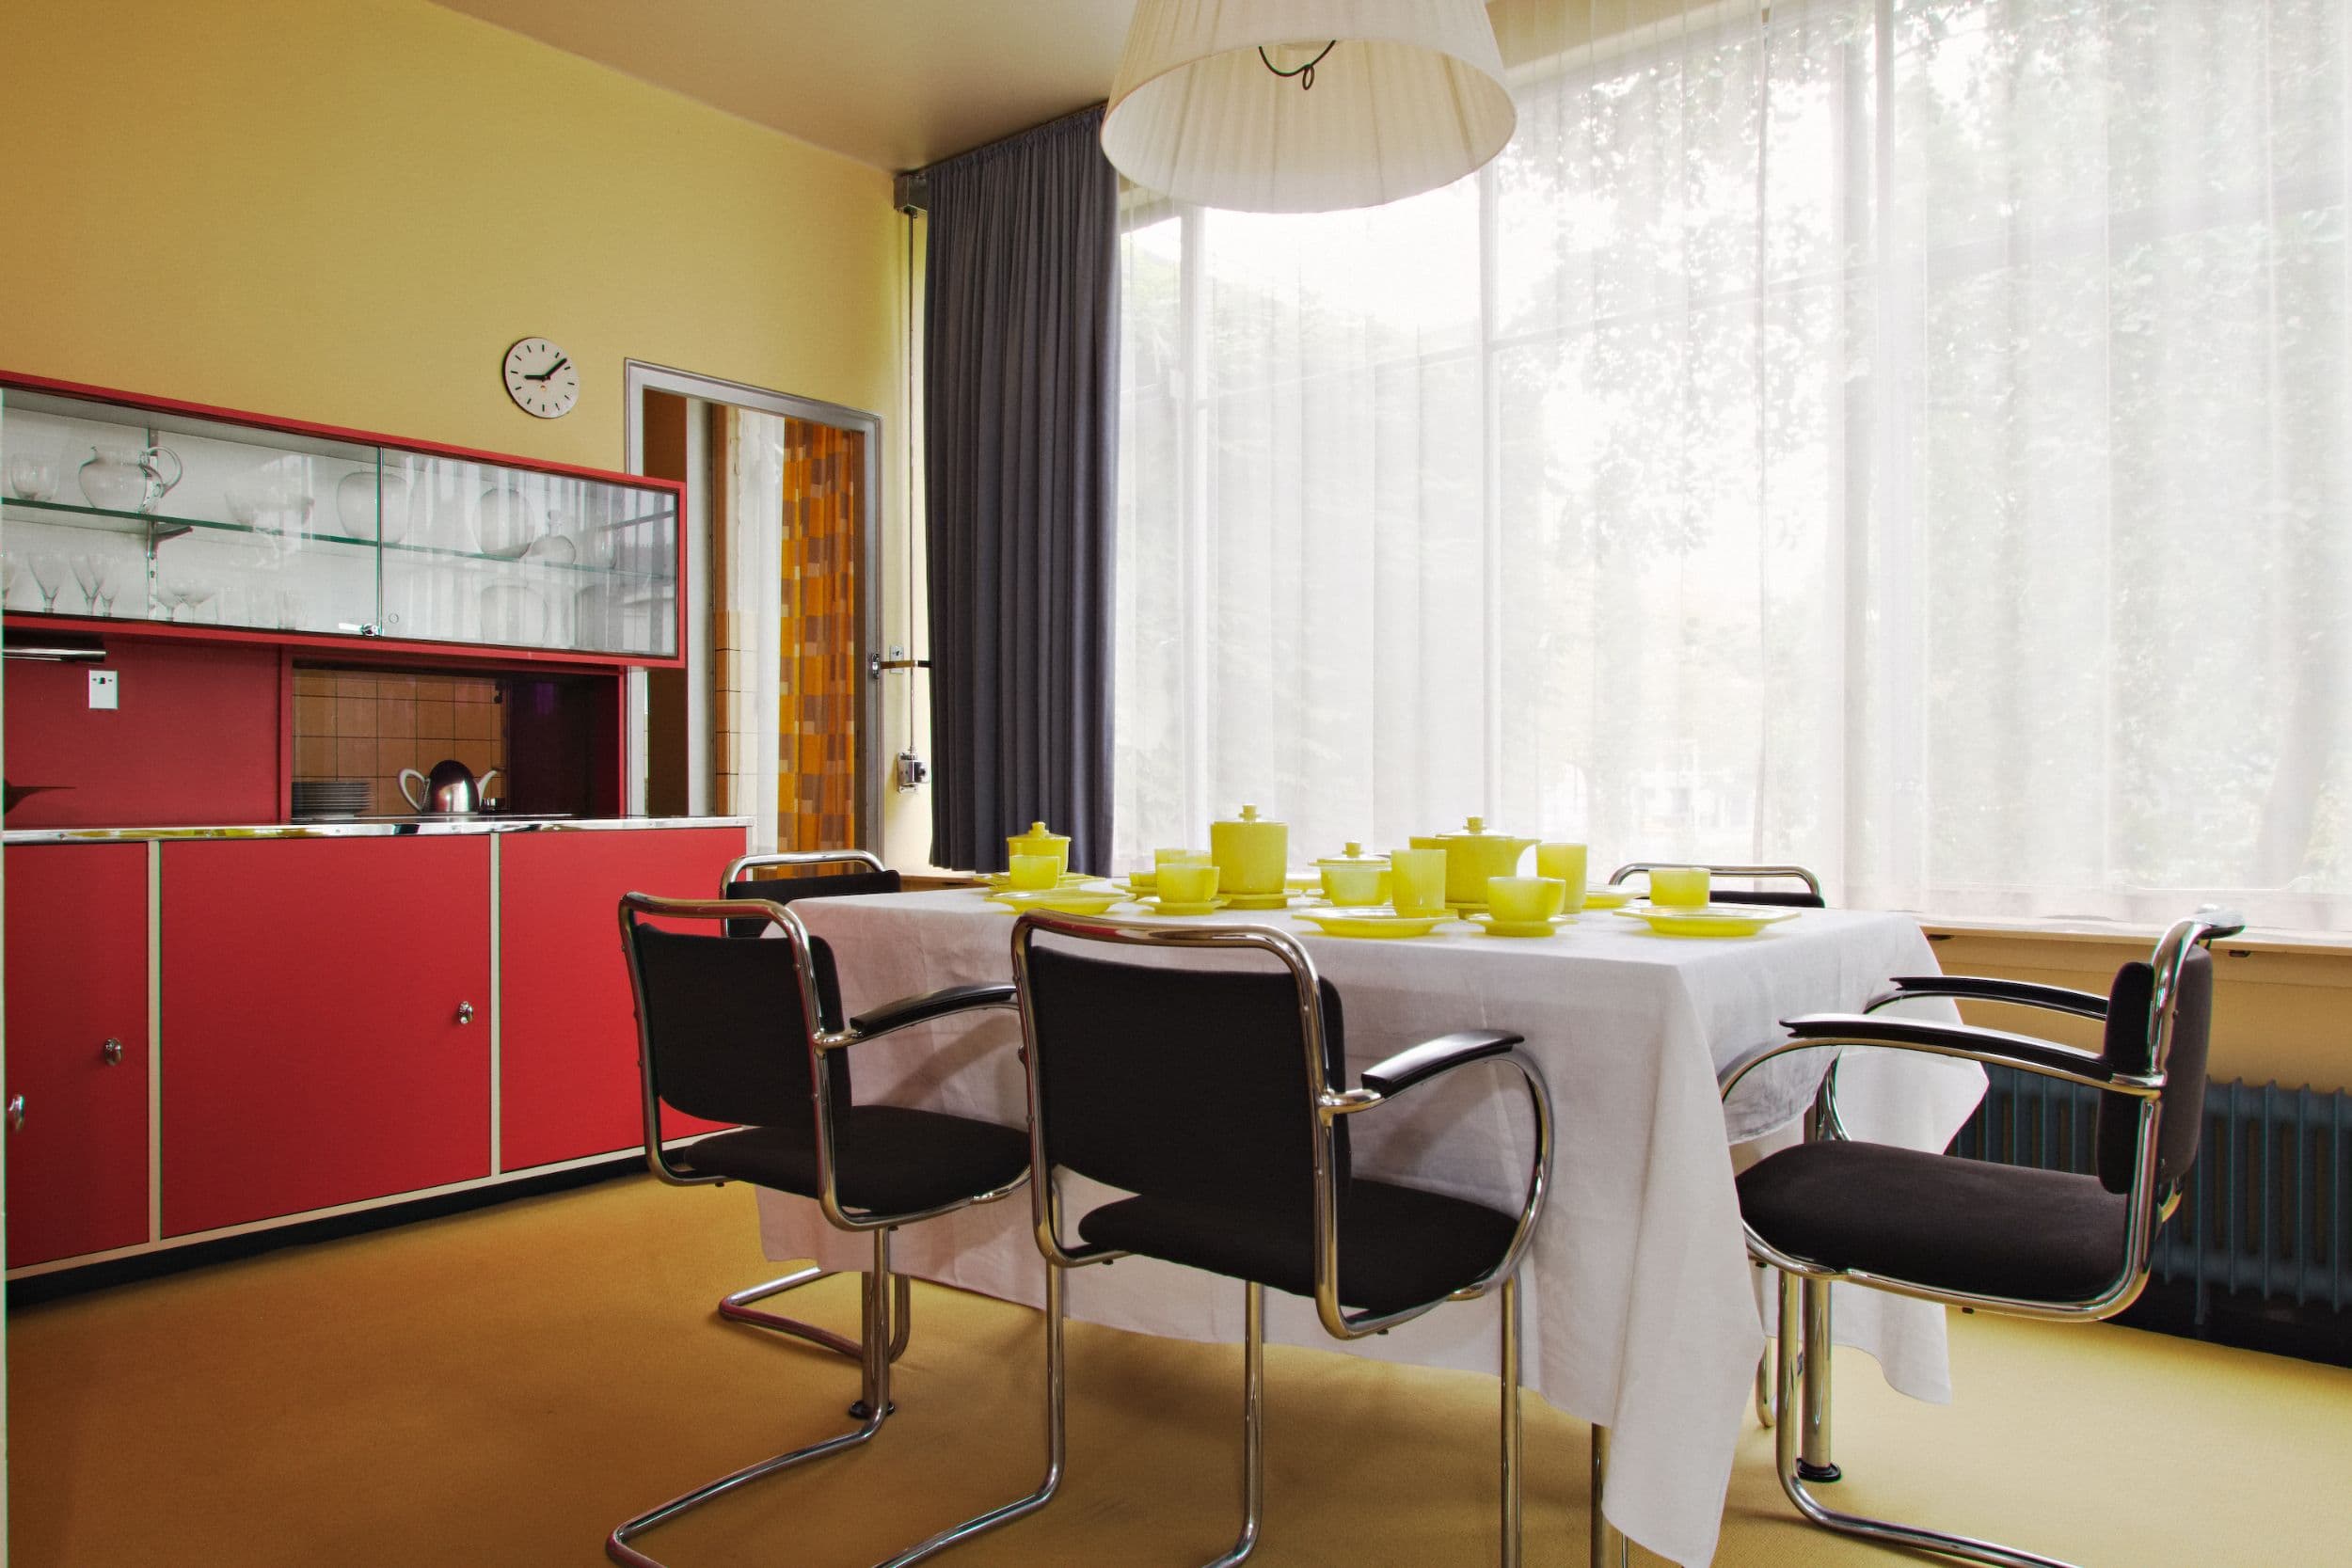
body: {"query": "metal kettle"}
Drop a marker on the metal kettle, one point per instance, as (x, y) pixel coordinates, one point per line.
(450, 788)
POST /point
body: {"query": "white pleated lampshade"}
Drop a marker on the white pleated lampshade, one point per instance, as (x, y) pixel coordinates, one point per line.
(1409, 98)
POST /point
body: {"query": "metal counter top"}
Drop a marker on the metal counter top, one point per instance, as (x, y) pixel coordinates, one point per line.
(376, 827)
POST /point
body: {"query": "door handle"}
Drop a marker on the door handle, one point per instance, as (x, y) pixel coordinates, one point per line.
(112, 1051)
(465, 1012)
(16, 1112)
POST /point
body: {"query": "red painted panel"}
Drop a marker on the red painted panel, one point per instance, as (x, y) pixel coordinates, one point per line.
(193, 741)
(312, 1048)
(77, 978)
(567, 1030)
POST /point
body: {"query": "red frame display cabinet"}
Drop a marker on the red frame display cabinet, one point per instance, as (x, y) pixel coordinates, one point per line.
(217, 523)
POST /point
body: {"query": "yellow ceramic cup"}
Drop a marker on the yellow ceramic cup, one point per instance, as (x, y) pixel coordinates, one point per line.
(1164, 858)
(1417, 880)
(1678, 887)
(1566, 862)
(1145, 878)
(1187, 881)
(1032, 873)
(1524, 900)
(1352, 885)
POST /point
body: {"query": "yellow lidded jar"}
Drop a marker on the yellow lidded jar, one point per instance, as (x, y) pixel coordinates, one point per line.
(1250, 855)
(1354, 878)
(1040, 840)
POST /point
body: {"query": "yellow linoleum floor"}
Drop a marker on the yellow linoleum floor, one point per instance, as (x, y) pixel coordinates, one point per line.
(499, 1388)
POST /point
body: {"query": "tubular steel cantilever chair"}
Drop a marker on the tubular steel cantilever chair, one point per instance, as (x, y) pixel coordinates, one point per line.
(1218, 1099)
(1808, 898)
(1997, 1238)
(732, 1031)
(740, 883)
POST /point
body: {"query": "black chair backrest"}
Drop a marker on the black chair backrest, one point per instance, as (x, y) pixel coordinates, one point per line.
(723, 1020)
(2129, 1030)
(784, 889)
(1185, 1085)
(1790, 898)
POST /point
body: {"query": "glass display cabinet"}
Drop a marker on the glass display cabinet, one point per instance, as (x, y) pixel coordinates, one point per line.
(122, 509)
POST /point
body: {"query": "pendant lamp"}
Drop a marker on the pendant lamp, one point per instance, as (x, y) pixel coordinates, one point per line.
(1305, 106)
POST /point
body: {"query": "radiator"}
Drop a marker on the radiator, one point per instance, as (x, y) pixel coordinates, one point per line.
(2268, 1206)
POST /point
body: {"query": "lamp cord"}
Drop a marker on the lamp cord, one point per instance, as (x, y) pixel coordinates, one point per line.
(1306, 73)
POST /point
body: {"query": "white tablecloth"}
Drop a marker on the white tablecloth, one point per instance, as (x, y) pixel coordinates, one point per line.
(1639, 1309)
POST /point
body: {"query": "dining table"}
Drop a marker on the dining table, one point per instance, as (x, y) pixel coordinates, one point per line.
(1640, 1313)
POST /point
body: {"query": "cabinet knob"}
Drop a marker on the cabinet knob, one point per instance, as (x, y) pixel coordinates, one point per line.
(16, 1112)
(465, 1012)
(112, 1051)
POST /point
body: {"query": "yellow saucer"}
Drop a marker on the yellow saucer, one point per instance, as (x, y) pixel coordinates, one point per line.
(1607, 897)
(1712, 920)
(1490, 926)
(1371, 921)
(1004, 879)
(1061, 900)
(1162, 907)
(1262, 900)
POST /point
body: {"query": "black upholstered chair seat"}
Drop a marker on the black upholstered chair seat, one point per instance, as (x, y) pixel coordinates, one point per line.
(890, 1159)
(1399, 1246)
(1939, 1220)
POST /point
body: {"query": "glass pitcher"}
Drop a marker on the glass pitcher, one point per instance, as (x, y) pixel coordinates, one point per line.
(126, 477)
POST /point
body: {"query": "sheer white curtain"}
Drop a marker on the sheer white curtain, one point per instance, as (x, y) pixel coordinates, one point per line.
(747, 617)
(1905, 439)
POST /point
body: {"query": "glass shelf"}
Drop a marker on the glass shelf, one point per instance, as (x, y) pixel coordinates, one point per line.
(253, 526)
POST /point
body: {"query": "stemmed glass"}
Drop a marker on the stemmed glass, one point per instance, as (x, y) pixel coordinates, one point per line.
(94, 572)
(180, 590)
(48, 575)
(11, 565)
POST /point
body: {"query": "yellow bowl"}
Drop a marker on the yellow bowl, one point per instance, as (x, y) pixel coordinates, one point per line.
(1521, 900)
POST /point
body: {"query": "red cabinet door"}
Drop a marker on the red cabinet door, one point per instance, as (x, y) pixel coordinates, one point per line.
(326, 1022)
(568, 1025)
(77, 978)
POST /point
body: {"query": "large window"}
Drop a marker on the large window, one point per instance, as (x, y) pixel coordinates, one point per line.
(1906, 438)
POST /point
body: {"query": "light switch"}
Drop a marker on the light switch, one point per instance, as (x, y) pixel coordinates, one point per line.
(106, 687)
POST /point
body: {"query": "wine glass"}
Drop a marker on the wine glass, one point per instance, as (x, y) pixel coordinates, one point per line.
(94, 572)
(182, 589)
(11, 567)
(32, 477)
(48, 575)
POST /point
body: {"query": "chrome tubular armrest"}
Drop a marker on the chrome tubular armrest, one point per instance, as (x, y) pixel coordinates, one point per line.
(910, 1010)
(1411, 1066)
(1961, 1040)
(741, 863)
(1967, 988)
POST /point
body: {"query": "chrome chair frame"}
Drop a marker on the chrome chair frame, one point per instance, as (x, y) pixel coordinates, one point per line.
(873, 1350)
(1327, 1104)
(1796, 873)
(736, 1306)
(1802, 1450)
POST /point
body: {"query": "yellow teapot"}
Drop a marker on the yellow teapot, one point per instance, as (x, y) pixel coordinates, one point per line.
(1473, 855)
(1251, 855)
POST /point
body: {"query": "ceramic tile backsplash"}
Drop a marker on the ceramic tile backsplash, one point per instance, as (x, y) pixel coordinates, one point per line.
(370, 726)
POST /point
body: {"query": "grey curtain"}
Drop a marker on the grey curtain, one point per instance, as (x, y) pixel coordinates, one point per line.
(1020, 413)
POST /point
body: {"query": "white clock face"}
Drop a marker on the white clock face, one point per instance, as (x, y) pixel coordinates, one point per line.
(541, 378)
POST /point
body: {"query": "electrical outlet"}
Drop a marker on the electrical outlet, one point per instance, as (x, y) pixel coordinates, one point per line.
(106, 687)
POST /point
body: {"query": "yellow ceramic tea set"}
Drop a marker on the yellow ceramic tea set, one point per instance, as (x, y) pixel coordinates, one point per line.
(1472, 875)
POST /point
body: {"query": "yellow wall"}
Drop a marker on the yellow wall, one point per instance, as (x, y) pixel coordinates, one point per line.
(346, 210)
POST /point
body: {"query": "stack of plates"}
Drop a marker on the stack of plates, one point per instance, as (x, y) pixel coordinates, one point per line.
(330, 797)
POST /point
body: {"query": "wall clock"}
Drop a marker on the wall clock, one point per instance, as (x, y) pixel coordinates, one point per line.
(541, 378)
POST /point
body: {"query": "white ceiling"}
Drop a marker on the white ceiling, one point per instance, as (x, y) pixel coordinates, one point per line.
(895, 84)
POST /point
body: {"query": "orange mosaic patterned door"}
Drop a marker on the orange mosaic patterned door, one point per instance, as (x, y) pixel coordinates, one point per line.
(820, 686)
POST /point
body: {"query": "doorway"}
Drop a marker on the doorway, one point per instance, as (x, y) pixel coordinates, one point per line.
(776, 716)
